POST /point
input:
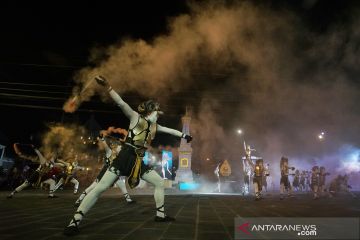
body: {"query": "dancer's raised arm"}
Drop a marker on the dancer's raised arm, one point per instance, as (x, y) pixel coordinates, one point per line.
(108, 150)
(41, 157)
(173, 132)
(126, 109)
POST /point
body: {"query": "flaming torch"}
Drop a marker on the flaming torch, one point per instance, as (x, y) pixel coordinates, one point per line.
(73, 103)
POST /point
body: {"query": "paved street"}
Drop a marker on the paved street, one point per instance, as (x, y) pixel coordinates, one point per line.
(31, 215)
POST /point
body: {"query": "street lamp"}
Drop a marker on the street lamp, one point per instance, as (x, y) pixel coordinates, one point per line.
(321, 136)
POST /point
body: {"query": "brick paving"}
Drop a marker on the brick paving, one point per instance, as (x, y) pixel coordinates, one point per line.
(31, 215)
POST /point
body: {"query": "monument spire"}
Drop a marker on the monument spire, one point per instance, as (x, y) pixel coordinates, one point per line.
(184, 173)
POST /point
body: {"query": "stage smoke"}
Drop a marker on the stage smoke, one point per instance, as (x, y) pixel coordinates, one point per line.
(65, 140)
(258, 67)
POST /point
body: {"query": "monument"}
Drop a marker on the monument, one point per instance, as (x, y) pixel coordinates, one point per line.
(184, 173)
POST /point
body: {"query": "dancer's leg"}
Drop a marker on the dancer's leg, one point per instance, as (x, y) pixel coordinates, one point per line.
(85, 192)
(19, 188)
(58, 184)
(106, 181)
(76, 184)
(154, 178)
(121, 184)
(51, 183)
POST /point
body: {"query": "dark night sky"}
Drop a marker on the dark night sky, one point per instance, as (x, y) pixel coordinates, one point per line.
(47, 44)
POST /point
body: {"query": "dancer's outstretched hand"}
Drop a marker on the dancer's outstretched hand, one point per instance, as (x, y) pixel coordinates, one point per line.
(188, 138)
(102, 81)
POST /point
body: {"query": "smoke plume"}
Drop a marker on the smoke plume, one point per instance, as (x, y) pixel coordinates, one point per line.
(245, 65)
(65, 140)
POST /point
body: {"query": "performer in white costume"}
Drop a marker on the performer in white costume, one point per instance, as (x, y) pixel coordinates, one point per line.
(39, 176)
(110, 154)
(142, 130)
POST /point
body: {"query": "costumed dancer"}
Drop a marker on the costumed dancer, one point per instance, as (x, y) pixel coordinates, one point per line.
(344, 186)
(217, 174)
(322, 180)
(315, 181)
(70, 170)
(110, 154)
(334, 186)
(142, 130)
(247, 176)
(247, 167)
(307, 181)
(296, 180)
(165, 165)
(51, 177)
(302, 181)
(40, 175)
(258, 169)
(338, 184)
(284, 180)
(265, 177)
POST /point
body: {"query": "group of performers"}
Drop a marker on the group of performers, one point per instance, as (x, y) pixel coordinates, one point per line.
(256, 172)
(44, 174)
(110, 154)
(259, 173)
(128, 161)
(122, 162)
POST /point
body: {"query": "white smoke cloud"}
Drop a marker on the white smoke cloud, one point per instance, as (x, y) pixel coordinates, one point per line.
(260, 68)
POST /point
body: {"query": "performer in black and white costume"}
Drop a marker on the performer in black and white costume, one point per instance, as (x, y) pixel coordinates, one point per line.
(217, 174)
(258, 169)
(346, 187)
(247, 168)
(110, 154)
(296, 180)
(142, 130)
(315, 181)
(165, 165)
(40, 175)
(266, 177)
(302, 181)
(70, 170)
(307, 181)
(340, 184)
(247, 176)
(335, 186)
(284, 180)
(322, 180)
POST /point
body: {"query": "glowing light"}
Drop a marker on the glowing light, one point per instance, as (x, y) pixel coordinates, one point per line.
(188, 186)
(321, 135)
(351, 162)
(239, 131)
(207, 159)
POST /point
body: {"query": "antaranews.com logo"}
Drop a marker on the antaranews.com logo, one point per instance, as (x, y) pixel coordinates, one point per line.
(296, 228)
(300, 229)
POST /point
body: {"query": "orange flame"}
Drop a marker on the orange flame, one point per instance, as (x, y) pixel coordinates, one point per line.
(71, 105)
(22, 155)
(115, 130)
